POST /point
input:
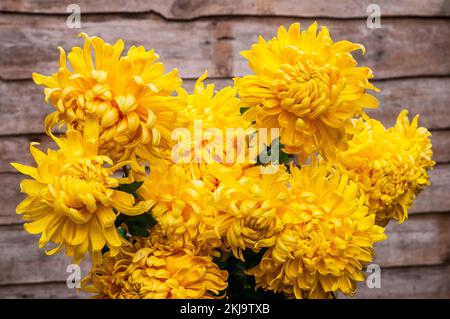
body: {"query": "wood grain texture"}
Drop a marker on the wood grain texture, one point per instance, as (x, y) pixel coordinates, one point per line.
(423, 239)
(10, 196)
(402, 47)
(427, 97)
(23, 108)
(410, 282)
(190, 9)
(441, 146)
(23, 262)
(16, 149)
(44, 290)
(437, 197)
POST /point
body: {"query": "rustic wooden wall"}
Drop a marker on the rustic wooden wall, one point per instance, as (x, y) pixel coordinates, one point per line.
(409, 55)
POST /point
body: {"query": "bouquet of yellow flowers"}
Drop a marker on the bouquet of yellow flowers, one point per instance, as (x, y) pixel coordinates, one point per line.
(278, 186)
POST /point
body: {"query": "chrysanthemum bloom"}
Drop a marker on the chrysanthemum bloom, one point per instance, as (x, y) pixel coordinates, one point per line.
(416, 140)
(72, 198)
(152, 271)
(308, 86)
(182, 208)
(250, 207)
(129, 95)
(327, 238)
(215, 132)
(389, 166)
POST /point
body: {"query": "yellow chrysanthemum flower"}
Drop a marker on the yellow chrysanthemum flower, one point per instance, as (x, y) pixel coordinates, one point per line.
(182, 208)
(389, 166)
(130, 96)
(216, 109)
(306, 85)
(415, 140)
(327, 237)
(72, 198)
(250, 207)
(151, 271)
(217, 132)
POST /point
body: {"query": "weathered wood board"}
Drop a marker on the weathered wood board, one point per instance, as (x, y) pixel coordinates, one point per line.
(192, 9)
(402, 47)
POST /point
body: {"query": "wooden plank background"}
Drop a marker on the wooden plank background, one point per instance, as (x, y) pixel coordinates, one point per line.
(409, 56)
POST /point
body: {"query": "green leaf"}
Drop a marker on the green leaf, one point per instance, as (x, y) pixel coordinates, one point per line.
(241, 285)
(122, 232)
(252, 258)
(145, 220)
(283, 158)
(105, 249)
(129, 188)
(243, 110)
(137, 225)
(137, 231)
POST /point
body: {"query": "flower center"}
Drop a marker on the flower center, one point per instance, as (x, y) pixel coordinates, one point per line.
(308, 89)
(81, 185)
